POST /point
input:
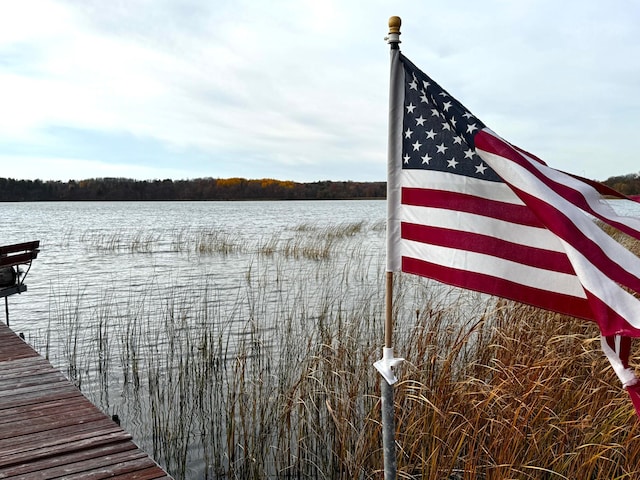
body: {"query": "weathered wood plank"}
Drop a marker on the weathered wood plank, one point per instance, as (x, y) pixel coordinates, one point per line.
(142, 469)
(71, 421)
(20, 367)
(82, 463)
(41, 409)
(19, 458)
(25, 381)
(55, 433)
(60, 384)
(12, 349)
(61, 390)
(153, 473)
(36, 469)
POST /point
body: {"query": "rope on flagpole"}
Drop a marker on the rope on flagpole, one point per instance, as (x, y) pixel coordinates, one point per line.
(388, 362)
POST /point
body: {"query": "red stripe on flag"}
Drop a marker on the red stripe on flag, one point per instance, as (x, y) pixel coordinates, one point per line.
(566, 304)
(485, 244)
(634, 394)
(424, 197)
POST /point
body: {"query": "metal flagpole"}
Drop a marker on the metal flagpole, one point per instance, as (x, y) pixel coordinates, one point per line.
(386, 364)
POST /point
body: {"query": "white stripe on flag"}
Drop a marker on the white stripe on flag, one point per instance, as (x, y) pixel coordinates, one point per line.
(499, 192)
(470, 222)
(493, 266)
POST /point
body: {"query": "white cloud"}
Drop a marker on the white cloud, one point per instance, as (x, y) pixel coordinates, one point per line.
(64, 169)
(303, 82)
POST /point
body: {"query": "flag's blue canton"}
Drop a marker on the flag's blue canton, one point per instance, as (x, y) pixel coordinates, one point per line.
(438, 131)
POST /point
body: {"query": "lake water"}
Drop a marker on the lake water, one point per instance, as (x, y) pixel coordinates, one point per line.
(119, 248)
(123, 295)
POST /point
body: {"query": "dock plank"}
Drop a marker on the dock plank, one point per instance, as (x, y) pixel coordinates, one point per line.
(15, 431)
(86, 465)
(43, 409)
(10, 385)
(48, 429)
(139, 468)
(9, 461)
(42, 468)
(37, 396)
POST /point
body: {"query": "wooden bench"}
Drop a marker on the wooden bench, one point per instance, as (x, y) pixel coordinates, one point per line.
(11, 277)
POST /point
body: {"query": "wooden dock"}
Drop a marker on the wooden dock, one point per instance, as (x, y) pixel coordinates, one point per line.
(48, 429)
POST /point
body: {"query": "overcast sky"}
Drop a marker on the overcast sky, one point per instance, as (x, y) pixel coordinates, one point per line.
(298, 90)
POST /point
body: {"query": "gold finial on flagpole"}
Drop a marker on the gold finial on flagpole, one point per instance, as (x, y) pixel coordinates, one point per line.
(394, 31)
(394, 25)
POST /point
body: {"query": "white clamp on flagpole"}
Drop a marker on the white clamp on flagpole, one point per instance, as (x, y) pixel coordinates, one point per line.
(386, 364)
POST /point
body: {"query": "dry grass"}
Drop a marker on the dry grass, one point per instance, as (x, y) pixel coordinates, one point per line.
(522, 394)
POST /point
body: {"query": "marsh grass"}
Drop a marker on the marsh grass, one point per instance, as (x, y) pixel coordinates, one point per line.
(276, 379)
(310, 241)
(139, 241)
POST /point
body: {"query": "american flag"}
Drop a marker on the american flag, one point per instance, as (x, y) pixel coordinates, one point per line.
(476, 212)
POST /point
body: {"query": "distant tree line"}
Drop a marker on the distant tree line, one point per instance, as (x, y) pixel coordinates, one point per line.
(626, 184)
(124, 189)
